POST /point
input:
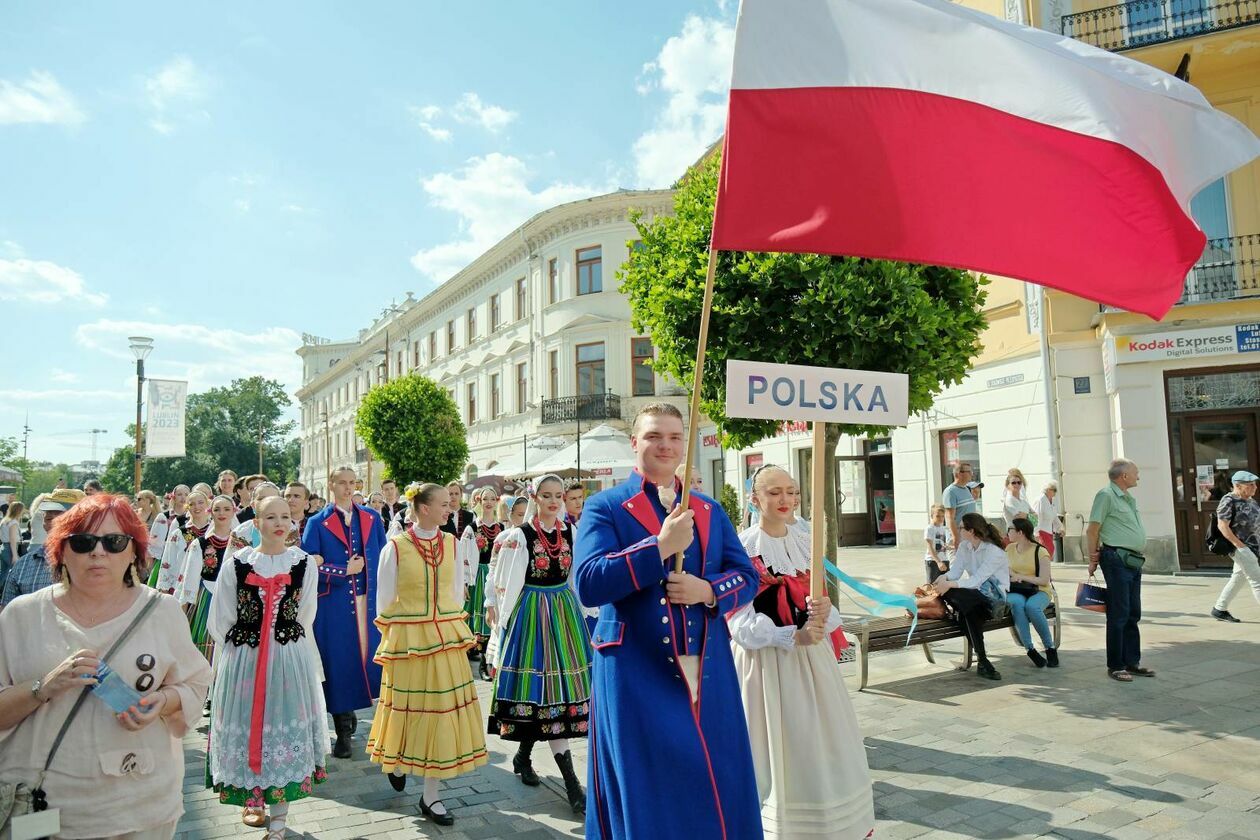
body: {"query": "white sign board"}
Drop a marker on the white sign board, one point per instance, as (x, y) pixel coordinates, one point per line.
(766, 391)
(1228, 340)
(164, 429)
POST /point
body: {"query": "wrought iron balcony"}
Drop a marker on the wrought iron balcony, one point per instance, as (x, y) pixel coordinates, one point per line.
(1228, 270)
(1140, 23)
(593, 407)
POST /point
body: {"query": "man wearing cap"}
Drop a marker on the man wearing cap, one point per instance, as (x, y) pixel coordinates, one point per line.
(31, 573)
(1238, 518)
(959, 498)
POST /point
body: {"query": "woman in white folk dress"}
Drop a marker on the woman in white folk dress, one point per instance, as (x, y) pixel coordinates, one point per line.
(268, 734)
(807, 749)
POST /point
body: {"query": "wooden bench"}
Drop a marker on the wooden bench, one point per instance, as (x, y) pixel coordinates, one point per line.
(885, 634)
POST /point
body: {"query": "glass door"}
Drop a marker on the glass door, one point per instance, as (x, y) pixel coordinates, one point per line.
(1207, 451)
(851, 501)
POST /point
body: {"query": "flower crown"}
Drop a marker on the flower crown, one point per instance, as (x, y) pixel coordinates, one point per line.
(412, 489)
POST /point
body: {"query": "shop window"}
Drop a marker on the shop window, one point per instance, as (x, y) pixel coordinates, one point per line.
(959, 446)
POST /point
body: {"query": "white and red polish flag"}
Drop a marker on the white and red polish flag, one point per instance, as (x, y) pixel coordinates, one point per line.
(922, 131)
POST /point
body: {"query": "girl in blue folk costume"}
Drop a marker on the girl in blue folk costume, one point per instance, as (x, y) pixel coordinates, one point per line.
(475, 547)
(541, 649)
(268, 736)
(200, 574)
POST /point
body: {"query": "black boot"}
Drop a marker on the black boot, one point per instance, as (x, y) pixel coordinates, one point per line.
(523, 766)
(343, 725)
(354, 722)
(572, 787)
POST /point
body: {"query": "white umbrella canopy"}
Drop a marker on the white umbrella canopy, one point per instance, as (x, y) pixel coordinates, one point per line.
(535, 452)
(605, 451)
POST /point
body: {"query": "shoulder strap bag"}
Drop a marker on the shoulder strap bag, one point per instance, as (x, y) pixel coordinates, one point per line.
(1030, 589)
(17, 799)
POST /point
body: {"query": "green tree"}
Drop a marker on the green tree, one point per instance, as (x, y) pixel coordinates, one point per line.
(223, 427)
(413, 426)
(842, 312)
(9, 450)
(41, 479)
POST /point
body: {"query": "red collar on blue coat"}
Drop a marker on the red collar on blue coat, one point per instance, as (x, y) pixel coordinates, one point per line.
(644, 512)
(334, 523)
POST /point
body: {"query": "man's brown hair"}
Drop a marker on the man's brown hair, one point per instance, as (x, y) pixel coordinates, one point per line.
(657, 409)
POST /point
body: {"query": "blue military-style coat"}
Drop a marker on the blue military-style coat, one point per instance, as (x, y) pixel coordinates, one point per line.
(661, 766)
(351, 681)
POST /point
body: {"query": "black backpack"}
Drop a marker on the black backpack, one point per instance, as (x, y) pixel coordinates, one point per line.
(1215, 541)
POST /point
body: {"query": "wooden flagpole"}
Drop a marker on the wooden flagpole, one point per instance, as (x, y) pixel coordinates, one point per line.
(818, 528)
(693, 421)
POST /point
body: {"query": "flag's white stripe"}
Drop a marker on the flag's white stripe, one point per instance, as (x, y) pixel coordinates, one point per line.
(938, 47)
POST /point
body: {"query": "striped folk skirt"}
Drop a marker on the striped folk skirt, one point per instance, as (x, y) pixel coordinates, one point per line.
(475, 605)
(198, 614)
(542, 690)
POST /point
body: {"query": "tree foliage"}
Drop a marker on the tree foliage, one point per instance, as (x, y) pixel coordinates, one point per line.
(413, 426)
(729, 500)
(841, 312)
(222, 432)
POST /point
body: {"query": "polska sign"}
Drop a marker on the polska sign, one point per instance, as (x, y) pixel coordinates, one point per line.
(765, 391)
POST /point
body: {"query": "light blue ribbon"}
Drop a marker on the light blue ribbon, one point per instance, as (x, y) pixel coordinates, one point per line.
(884, 600)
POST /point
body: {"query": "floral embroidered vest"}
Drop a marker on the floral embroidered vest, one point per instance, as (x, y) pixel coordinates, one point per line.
(249, 608)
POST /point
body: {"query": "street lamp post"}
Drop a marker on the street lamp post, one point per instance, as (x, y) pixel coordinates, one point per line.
(141, 346)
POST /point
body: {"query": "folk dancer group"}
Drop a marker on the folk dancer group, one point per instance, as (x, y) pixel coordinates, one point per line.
(716, 686)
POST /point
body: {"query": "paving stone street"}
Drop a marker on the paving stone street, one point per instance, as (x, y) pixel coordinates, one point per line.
(1047, 753)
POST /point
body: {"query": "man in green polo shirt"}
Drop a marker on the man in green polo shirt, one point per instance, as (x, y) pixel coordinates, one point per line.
(1116, 540)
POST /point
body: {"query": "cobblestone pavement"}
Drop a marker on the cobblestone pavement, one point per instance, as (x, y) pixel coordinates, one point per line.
(1067, 753)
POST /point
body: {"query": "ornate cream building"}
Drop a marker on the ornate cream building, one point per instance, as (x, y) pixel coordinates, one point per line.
(529, 339)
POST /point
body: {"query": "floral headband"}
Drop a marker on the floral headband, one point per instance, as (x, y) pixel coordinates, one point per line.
(412, 489)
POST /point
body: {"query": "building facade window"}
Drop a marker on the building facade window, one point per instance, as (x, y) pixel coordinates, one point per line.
(496, 312)
(521, 302)
(415, 354)
(590, 369)
(959, 446)
(472, 325)
(496, 408)
(472, 403)
(641, 353)
(553, 377)
(432, 345)
(553, 280)
(590, 275)
(522, 387)
(450, 337)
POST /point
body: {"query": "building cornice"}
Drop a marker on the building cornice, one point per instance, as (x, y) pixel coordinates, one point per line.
(518, 246)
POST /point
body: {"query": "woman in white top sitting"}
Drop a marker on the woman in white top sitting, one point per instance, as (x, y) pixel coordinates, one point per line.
(977, 580)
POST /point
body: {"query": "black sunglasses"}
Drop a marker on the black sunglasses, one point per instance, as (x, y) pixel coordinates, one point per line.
(84, 543)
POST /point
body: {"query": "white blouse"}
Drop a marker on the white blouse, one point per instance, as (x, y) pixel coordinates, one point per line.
(786, 555)
(104, 778)
(172, 559)
(223, 608)
(1014, 508)
(980, 563)
(387, 573)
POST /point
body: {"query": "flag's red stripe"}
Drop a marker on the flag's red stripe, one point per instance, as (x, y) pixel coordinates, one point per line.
(899, 174)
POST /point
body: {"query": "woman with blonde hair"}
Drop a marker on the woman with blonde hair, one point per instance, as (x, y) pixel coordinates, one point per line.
(170, 568)
(10, 539)
(173, 518)
(147, 507)
(428, 721)
(475, 548)
(808, 755)
(1014, 504)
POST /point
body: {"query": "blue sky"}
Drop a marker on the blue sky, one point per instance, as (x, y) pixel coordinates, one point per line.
(226, 177)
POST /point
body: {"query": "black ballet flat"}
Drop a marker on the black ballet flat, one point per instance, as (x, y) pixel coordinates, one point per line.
(397, 781)
(440, 819)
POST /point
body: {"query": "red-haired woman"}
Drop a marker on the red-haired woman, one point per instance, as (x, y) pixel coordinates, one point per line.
(115, 774)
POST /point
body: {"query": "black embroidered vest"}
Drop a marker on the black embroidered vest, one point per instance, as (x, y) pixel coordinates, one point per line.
(249, 608)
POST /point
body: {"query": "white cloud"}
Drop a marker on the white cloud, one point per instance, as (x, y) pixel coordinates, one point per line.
(38, 99)
(172, 91)
(41, 281)
(63, 377)
(67, 395)
(206, 356)
(470, 109)
(492, 196)
(693, 69)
